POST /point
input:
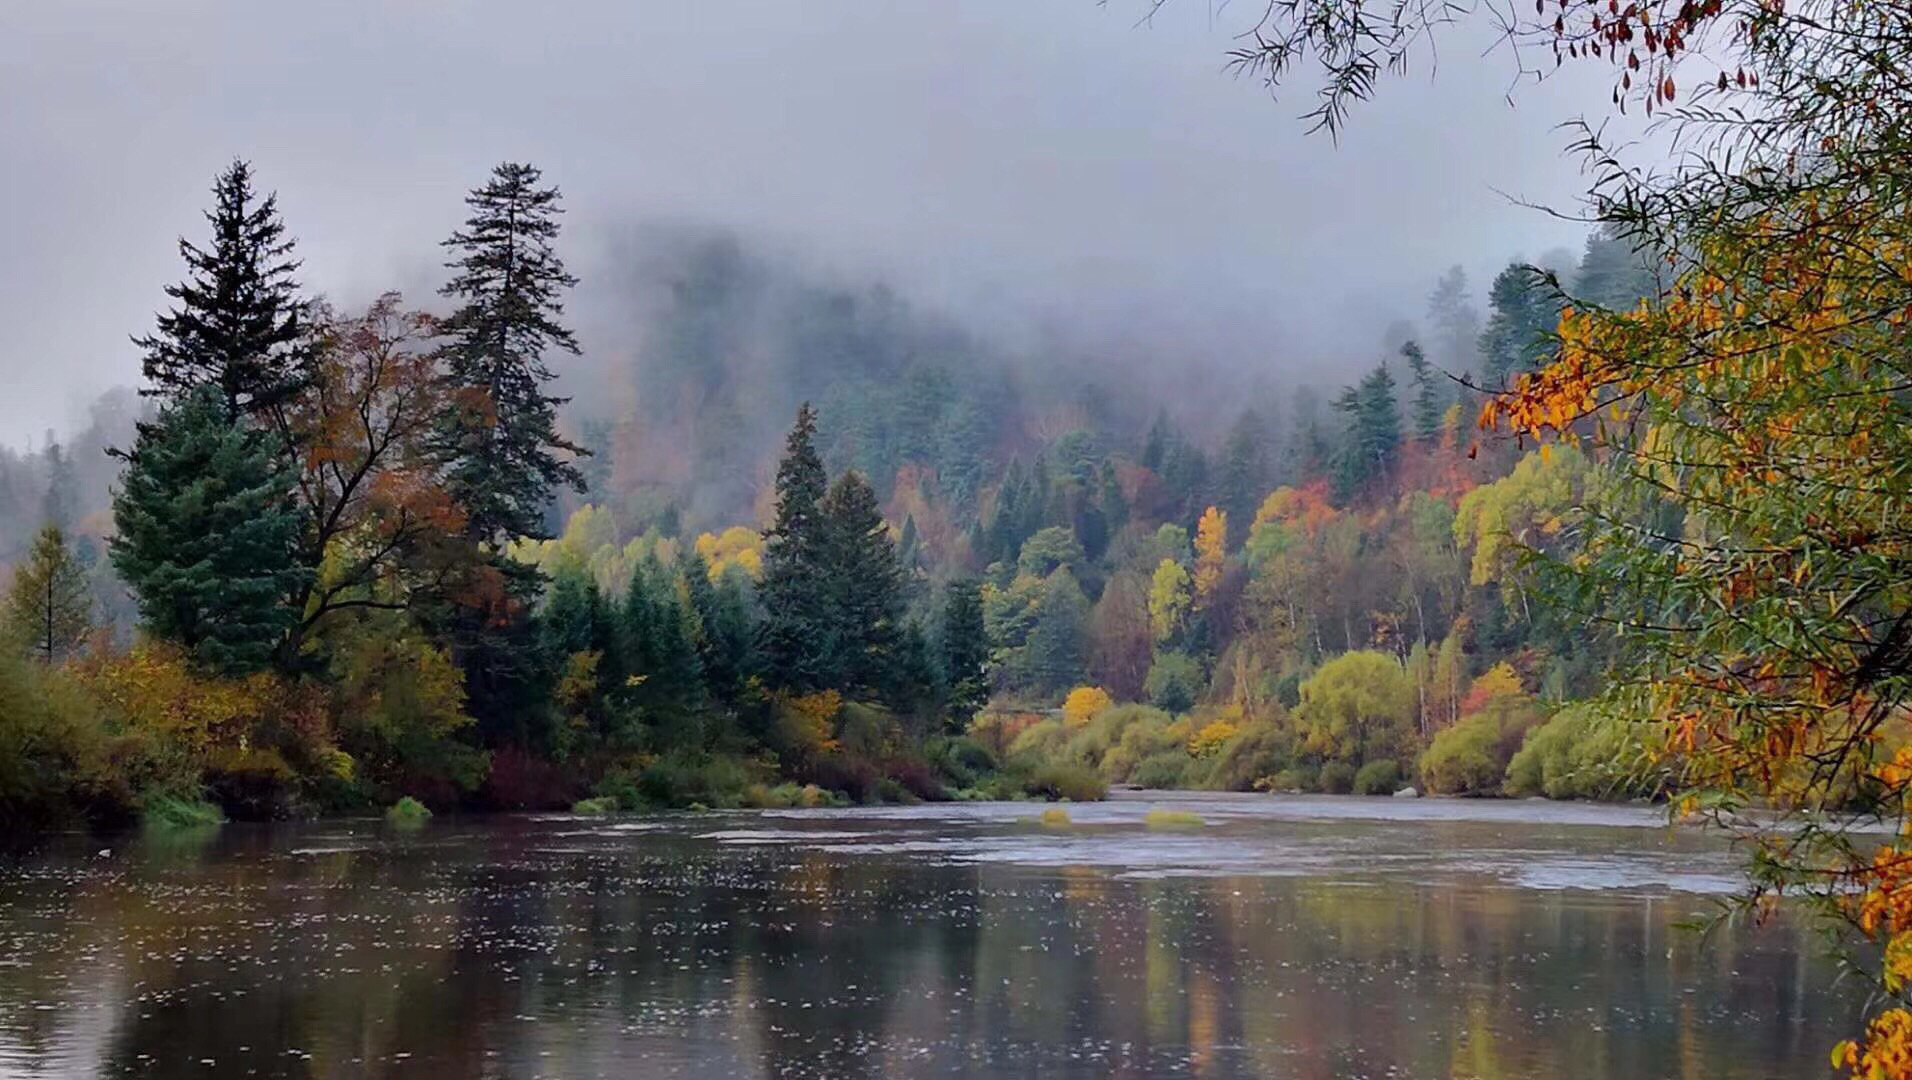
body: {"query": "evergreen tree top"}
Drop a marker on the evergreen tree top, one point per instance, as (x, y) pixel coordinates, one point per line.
(239, 325)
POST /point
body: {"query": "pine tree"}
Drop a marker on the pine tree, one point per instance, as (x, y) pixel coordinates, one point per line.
(1373, 434)
(56, 509)
(1613, 274)
(1427, 404)
(1456, 342)
(1520, 332)
(865, 584)
(503, 440)
(798, 641)
(207, 535)
(965, 649)
(49, 609)
(239, 326)
(1245, 471)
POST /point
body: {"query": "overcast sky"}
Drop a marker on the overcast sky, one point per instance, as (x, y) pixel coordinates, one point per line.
(1027, 156)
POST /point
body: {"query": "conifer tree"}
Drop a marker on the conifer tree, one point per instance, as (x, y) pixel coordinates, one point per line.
(238, 326)
(797, 638)
(1244, 480)
(865, 584)
(56, 509)
(1520, 331)
(207, 535)
(964, 649)
(1427, 405)
(49, 611)
(506, 456)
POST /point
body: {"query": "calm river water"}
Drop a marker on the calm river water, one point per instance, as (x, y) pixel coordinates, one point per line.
(1288, 937)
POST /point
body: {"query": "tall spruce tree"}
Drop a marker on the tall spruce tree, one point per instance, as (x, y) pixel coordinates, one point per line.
(56, 509)
(1521, 326)
(506, 456)
(865, 584)
(1427, 402)
(207, 535)
(1244, 480)
(1456, 341)
(239, 325)
(964, 647)
(1373, 435)
(49, 609)
(797, 637)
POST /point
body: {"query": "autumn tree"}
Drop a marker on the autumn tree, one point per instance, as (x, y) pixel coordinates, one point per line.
(49, 608)
(377, 522)
(1211, 556)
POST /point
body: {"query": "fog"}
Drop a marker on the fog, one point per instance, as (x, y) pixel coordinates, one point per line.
(1036, 169)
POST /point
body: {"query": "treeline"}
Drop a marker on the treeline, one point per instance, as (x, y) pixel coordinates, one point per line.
(333, 528)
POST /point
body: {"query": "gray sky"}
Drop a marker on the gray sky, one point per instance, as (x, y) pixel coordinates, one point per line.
(1041, 158)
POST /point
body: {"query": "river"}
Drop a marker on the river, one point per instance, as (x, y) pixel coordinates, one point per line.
(1283, 937)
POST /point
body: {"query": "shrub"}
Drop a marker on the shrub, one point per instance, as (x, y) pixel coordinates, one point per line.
(1378, 777)
(1335, 778)
(1173, 819)
(1061, 780)
(407, 811)
(1300, 776)
(1055, 818)
(1257, 751)
(1463, 759)
(165, 811)
(855, 778)
(960, 761)
(1473, 755)
(1148, 737)
(1163, 771)
(1174, 682)
(1578, 755)
(686, 776)
(599, 805)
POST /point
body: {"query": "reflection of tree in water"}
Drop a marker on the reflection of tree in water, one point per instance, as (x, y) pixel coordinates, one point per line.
(512, 949)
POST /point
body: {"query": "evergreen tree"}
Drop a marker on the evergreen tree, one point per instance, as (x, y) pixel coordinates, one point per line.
(1456, 343)
(49, 608)
(1613, 274)
(1057, 650)
(56, 509)
(1427, 403)
(1155, 446)
(239, 326)
(1245, 471)
(797, 639)
(1309, 451)
(1520, 332)
(723, 617)
(503, 441)
(865, 585)
(965, 649)
(207, 535)
(1373, 433)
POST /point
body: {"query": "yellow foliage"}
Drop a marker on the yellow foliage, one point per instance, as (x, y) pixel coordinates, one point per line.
(1211, 554)
(1083, 703)
(735, 546)
(1168, 599)
(152, 690)
(809, 721)
(1208, 741)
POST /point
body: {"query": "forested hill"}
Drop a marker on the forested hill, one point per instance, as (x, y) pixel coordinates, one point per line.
(434, 549)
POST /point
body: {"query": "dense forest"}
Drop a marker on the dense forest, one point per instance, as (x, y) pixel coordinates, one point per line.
(331, 559)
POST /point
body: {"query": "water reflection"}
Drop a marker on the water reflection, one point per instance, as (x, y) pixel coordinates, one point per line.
(936, 941)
